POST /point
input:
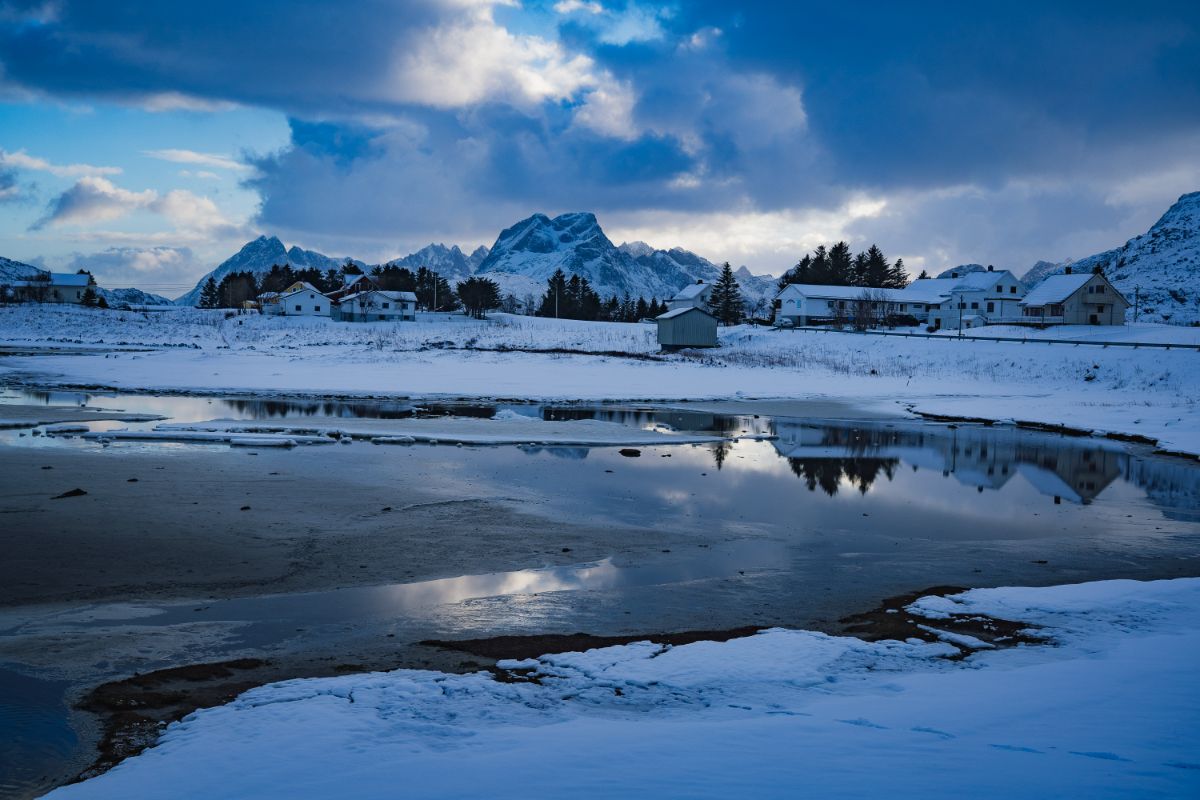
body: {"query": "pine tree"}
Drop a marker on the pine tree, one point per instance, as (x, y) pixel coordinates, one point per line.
(860, 271)
(897, 276)
(478, 295)
(90, 299)
(923, 276)
(209, 298)
(555, 299)
(840, 264)
(725, 302)
(877, 268)
(819, 271)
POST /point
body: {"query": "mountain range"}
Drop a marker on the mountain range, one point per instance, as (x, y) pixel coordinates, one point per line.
(523, 257)
(1159, 269)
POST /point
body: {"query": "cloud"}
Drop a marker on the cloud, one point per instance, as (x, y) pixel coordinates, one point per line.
(92, 200)
(163, 270)
(10, 189)
(214, 160)
(22, 160)
(200, 173)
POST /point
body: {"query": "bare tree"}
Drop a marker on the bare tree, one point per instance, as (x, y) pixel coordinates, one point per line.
(872, 308)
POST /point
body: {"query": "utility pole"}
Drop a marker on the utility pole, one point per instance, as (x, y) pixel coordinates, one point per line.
(1137, 297)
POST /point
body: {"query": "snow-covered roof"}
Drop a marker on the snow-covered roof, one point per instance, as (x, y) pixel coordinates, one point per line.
(833, 292)
(1055, 289)
(300, 286)
(69, 279)
(980, 280)
(927, 290)
(408, 296)
(679, 312)
(350, 280)
(692, 291)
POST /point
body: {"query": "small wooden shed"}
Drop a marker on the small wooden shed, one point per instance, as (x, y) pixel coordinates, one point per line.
(686, 327)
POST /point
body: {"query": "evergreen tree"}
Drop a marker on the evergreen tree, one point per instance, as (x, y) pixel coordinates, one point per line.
(860, 271)
(923, 276)
(819, 271)
(331, 282)
(640, 310)
(877, 268)
(236, 288)
(726, 302)
(90, 299)
(209, 298)
(433, 291)
(801, 273)
(897, 277)
(478, 295)
(553, 301)
(840, 265)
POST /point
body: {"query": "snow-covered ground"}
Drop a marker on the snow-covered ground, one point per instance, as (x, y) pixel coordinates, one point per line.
(1149, 333)
(1152, 393)
(1109, 707)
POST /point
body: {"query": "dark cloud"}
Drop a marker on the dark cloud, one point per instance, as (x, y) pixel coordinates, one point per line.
(990, 129)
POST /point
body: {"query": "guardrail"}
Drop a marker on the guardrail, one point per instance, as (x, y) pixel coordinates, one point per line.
(968, 337)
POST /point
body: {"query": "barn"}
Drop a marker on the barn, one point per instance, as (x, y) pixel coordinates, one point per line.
(686, 327)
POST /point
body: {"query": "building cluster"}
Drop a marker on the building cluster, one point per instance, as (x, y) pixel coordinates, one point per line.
(962, 301)
(359, 300)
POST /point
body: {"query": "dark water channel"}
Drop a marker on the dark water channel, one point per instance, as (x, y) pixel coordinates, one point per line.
(824, 517)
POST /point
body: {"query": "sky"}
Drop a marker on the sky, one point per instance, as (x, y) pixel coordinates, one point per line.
(147, 141)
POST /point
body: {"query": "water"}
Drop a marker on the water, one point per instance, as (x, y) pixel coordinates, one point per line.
(826, 517)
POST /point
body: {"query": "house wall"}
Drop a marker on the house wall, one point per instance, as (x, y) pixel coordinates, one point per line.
(699, 301)
(688, 330)
(371, 309)
(1084, 307)
(301, 304)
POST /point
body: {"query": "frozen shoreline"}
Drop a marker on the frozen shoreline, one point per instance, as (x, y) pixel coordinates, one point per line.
(780, 713)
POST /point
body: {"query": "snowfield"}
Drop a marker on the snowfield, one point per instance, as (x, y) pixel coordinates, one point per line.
(1109, 707)
(1151, 393)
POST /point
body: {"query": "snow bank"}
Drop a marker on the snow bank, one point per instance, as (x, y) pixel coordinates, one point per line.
(1113, 710)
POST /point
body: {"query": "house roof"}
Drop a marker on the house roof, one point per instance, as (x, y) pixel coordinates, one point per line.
(69, 279)
(679, 312)
(300, 286)
(984, 279)
(834, 292)
(350, 280)
(1055, 289)
(692, 291)
(927, 290)
(408, 296)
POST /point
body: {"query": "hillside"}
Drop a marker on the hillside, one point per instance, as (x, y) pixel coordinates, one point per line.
(1161, 267)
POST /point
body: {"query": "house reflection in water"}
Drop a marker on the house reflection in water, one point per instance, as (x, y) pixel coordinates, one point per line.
(827, 455)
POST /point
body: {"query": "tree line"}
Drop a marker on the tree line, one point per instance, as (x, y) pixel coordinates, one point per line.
(837, 266)
(574, 298)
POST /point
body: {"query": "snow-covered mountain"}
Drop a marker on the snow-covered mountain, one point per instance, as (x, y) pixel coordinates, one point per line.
(449, 262)
(133, 297)
(527, 254)
(962, 269)
(16, 271)
(522, 259)
(1162, 266)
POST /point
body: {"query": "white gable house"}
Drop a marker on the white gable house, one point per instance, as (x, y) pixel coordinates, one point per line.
(984, 297)
(1074, 299)
(695, 295)
(376, 305)
(301, 299)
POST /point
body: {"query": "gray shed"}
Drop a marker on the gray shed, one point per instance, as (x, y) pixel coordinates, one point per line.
(686, 327)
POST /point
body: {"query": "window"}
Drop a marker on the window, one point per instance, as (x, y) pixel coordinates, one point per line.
(961, 305)
(1056, 311)
(1012, 290)
(975, 306)
(1101, 289)
(297, 308)
(317, 309)
(991, 307)
(386, 305)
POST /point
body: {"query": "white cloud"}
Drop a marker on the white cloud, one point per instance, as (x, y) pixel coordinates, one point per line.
(176, 101)
(608, 110)
(200, 173)
(93, 199)
(22, 160)
(215, 160)
(571, 6)
(472, 59)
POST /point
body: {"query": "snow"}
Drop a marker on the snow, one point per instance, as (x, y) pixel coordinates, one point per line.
(1109, 707)
(1055, 289)
(1122, 390)
(503, 429)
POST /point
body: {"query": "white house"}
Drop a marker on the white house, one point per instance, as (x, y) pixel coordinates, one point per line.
(301, 299)
(803, 303)
(1074, 299)
(51, 287)
(353, 284)
(694, 295)
(376, 305)
(984, 297)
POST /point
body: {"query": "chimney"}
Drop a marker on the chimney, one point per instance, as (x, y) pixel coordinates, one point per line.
(953, 274)
(699, 280)
(991, 268)
(1068, 271)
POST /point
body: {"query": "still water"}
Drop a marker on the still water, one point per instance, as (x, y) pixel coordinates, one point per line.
(824, 517)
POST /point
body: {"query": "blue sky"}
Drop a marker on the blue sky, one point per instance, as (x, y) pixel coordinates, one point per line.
(148, 140)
